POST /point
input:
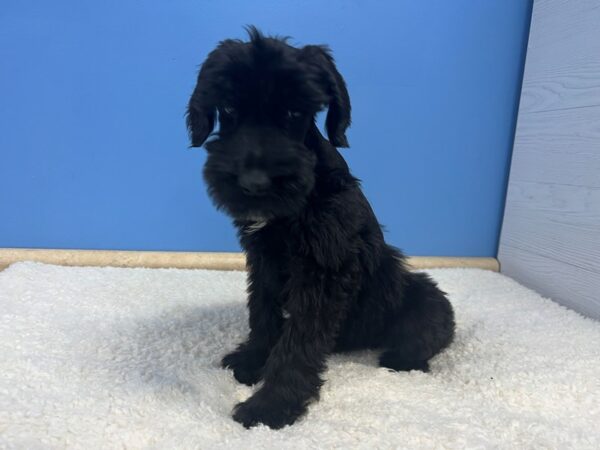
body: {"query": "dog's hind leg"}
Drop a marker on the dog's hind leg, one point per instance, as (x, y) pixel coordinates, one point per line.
(421, 328)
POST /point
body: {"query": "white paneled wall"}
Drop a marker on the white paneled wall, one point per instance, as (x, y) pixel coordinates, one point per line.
(550, 237)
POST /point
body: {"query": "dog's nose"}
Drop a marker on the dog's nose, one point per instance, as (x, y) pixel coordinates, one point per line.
(254, 182)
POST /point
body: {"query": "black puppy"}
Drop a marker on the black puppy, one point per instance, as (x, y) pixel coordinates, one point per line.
(321, 278)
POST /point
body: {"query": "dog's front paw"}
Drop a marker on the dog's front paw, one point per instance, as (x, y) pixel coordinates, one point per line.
(268, 410)
(246, 365)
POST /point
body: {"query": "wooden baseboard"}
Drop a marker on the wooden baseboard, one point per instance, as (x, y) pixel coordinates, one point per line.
(191, 260)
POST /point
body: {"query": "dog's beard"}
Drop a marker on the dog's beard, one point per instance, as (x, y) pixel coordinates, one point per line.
(288, 201)
(256, 211)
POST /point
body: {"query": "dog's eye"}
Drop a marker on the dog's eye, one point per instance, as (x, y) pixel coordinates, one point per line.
(229, 110)
(294, 114)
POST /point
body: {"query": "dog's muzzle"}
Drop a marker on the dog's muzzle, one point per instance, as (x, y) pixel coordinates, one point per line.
(254, 182)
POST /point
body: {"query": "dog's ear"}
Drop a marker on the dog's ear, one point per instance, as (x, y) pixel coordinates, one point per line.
(201, 110)
(338, 114)
(200, 117)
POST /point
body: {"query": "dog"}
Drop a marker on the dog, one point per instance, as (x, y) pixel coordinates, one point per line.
(321, 278)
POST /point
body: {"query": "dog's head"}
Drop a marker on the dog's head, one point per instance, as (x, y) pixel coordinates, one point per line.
(265, 95)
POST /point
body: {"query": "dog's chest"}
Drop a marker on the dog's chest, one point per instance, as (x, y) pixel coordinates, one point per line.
(252, 227)
(272, 248)
(270, 239)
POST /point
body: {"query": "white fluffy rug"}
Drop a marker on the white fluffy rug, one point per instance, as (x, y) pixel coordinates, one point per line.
(128, 358)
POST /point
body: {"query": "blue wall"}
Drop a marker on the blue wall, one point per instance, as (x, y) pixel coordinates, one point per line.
(93, 149)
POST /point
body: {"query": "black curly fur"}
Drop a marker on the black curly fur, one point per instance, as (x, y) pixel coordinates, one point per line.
(321, 278)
